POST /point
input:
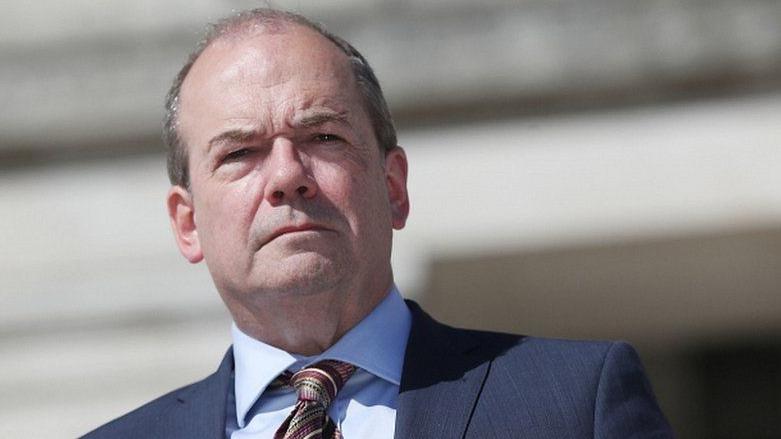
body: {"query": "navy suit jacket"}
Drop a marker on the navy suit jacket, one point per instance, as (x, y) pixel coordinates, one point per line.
(459, 383)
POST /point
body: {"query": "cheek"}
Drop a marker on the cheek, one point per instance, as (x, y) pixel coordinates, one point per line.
(333, 181)
(366, 201)
(225, 207)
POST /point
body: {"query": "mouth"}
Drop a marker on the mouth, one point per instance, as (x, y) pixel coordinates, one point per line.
(288, 230)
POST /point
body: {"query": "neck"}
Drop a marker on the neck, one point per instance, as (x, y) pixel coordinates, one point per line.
(307, 324)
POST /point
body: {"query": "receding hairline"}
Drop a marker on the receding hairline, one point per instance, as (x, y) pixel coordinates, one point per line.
(244, 26)
(244, 32)
(268, 21)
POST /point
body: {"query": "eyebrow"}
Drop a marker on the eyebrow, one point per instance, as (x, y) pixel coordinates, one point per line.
(320, 117)
(313, 119)
(237, 135)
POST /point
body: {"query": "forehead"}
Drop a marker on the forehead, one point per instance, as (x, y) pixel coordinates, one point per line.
(266, 74)
(271, 53)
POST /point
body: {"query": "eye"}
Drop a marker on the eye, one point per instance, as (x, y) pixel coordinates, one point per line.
(235, 155)
(327, 138)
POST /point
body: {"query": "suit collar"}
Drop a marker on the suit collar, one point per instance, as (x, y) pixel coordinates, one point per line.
(205, 402)
(444, 370)
(376, 344)
(443, 374)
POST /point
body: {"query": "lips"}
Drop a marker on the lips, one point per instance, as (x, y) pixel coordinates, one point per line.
(292, 229)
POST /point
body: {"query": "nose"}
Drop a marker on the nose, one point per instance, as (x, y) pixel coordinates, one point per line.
(288, 178)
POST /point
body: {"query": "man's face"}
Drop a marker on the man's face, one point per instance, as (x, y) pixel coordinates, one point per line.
(290, 193)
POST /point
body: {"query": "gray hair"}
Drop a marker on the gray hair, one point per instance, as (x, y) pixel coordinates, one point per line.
(272, 20)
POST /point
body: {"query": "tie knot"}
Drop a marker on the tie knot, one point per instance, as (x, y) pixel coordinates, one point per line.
(321, 381)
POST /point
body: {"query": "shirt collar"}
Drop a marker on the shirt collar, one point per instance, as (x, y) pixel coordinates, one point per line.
(376, 344)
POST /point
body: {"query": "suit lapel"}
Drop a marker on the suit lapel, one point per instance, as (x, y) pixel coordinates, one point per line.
(444, 370)
(441, 380)
(204, 404)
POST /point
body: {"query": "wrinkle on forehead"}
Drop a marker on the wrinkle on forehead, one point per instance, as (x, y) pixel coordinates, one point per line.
(248, 128)
(303, 111)
(266, 80)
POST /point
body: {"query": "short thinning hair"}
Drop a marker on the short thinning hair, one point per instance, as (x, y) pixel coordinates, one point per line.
(271, 20)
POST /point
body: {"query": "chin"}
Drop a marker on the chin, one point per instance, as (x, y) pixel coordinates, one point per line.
(303, 274)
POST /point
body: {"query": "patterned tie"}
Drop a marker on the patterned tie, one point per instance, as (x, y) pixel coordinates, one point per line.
(317, 386)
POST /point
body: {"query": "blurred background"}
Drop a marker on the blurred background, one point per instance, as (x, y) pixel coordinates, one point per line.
(578, 169)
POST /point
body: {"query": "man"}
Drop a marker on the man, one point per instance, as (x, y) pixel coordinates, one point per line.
(288, 183)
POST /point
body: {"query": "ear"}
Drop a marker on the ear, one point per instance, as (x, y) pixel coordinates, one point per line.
(396, 181)
(182, 215)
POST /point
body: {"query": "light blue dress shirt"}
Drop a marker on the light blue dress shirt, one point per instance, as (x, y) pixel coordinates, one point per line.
(364, 408)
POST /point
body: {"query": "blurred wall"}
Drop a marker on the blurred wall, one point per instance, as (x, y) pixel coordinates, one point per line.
(580, 169)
